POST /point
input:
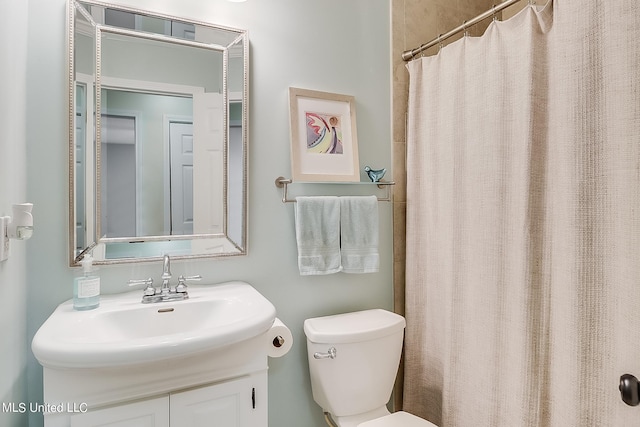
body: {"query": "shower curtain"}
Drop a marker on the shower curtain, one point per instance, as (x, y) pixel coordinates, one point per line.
(523, 219)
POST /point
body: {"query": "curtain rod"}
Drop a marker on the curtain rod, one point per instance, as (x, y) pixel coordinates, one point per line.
(407, 55)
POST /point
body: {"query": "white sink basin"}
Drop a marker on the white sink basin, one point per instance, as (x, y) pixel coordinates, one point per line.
(123, 331)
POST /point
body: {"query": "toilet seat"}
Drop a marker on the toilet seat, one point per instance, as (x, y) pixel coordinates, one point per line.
(398, 419)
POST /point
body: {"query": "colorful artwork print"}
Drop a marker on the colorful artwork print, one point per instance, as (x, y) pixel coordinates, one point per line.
(324, 133)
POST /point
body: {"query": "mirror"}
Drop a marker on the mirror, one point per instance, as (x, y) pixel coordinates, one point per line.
(158, 135)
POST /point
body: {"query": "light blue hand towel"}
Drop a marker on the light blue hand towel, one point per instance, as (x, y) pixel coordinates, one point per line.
(359, 234)
(318, 234)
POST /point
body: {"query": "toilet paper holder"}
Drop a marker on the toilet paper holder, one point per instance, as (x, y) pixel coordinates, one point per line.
(278, 341)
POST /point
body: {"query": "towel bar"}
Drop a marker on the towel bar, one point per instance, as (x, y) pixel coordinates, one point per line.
(282, 182)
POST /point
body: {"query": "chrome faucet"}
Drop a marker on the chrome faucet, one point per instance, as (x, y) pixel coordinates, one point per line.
(165, 293)
(166, 274)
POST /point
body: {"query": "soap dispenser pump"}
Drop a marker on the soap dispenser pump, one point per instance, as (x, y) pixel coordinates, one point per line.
(86, 287)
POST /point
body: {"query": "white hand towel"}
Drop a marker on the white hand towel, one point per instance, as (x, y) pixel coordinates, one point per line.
(318, 234)
(359, 233)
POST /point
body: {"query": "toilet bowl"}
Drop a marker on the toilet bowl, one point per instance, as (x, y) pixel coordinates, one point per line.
(353, 362)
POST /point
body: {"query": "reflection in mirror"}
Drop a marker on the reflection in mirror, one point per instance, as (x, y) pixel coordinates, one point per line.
(133, 150)
(158, 106)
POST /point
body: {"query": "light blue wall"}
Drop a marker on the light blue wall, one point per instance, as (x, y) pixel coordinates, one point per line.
(13, 176)
(331, 45)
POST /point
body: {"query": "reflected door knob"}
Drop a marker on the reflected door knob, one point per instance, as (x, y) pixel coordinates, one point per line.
(630, 390)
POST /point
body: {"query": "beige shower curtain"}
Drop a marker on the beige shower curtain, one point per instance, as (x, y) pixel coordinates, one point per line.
(523, 221)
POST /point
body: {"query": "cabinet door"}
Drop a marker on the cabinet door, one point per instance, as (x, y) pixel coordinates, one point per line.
(228, 404)
(146, 413)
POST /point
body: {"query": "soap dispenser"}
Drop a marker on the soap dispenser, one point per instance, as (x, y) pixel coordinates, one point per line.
(86, 287)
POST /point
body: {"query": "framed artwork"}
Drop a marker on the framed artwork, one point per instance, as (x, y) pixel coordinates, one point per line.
(324, 141)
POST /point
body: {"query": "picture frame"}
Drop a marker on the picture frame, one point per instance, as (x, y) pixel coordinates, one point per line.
(324, 140)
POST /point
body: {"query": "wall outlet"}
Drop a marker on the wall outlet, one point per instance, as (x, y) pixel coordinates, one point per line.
(4, 238)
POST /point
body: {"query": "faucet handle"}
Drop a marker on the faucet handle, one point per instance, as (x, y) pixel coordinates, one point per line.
(181, 287)
(149, 289)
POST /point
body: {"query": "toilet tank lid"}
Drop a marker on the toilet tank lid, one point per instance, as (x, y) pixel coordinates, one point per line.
(353, 327)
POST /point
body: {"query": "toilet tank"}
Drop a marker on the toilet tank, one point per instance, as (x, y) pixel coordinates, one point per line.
(361, 376)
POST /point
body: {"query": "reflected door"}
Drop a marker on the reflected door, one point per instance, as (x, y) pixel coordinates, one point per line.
(208, 184)
(181, 146)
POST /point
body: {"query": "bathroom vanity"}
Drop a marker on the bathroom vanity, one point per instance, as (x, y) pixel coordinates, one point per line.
(179, 363)
(190, 393)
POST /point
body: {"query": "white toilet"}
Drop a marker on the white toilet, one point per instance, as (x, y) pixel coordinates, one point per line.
(353, 361)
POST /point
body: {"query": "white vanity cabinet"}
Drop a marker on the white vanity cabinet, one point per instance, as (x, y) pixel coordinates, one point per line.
(224, 387)
(227, 404)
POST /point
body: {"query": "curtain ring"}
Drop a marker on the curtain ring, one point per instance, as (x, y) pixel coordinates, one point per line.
(439, 42)
(465, 29)
(495, 17)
